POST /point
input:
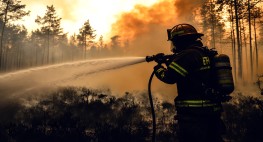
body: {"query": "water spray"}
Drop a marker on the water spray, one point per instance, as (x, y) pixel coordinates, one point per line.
(33, 79)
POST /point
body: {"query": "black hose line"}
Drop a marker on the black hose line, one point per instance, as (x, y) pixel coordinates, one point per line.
(152, 108)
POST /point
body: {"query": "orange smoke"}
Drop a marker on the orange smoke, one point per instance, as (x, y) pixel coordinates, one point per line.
(165, 13)
(185, 8)
(132, 24)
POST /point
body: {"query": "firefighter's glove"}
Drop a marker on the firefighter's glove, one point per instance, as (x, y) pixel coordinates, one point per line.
(159, 58)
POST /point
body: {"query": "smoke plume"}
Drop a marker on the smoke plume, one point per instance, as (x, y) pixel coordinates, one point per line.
(165, 13)
(145, 29)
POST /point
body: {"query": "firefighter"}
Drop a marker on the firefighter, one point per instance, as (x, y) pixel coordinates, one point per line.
(198, 113)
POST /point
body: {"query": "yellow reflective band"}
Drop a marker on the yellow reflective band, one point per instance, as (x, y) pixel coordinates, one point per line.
(205, 68)
(226, 81)
(178, 69)
(222, 64)
(196, 105)
(159, 70)
(194, 101)
(177, 33)
(162, 75)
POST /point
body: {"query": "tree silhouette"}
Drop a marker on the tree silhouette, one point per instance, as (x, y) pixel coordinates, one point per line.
(15, 39)
(10, 10)
(212, 22)
(50, 28)
(116, 45)
(86, 36)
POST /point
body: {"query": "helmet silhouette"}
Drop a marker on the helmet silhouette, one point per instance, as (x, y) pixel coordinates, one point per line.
(183, 30)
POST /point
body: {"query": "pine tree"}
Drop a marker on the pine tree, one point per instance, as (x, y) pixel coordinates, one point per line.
(116, 45)
(50, 27)
(86, 35)
(212, 21)
(37, 42)
(10, 10)
(257, 13)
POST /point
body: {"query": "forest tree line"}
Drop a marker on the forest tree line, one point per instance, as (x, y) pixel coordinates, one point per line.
(48, 44)
(236, 24)
(226, 23)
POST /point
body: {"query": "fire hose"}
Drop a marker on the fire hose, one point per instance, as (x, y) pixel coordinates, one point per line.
(152, 108)
(159, 58)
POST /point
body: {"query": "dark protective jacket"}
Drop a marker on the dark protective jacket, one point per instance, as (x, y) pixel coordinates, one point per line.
(191, 70)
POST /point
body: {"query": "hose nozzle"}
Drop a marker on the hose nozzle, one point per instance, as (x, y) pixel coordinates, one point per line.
(159, 58)
(149, 58)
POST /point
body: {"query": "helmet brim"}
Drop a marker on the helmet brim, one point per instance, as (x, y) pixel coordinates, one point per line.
(197, 35)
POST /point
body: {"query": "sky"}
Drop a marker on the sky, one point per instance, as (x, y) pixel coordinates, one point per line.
(101, 13)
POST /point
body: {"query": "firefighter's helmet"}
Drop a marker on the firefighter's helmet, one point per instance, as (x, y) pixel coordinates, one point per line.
(183, 31)
(181, 35)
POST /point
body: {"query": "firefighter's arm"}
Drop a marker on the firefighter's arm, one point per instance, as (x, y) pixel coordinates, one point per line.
(171, 74)
(162, 74)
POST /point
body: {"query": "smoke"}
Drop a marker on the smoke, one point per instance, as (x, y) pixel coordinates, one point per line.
(132, 24)
(185, 8)
(145, 29)
(165, 13)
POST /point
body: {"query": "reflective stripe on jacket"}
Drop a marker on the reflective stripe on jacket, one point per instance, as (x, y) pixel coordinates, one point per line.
(179, 69)
(190, 69)
(197, 104)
